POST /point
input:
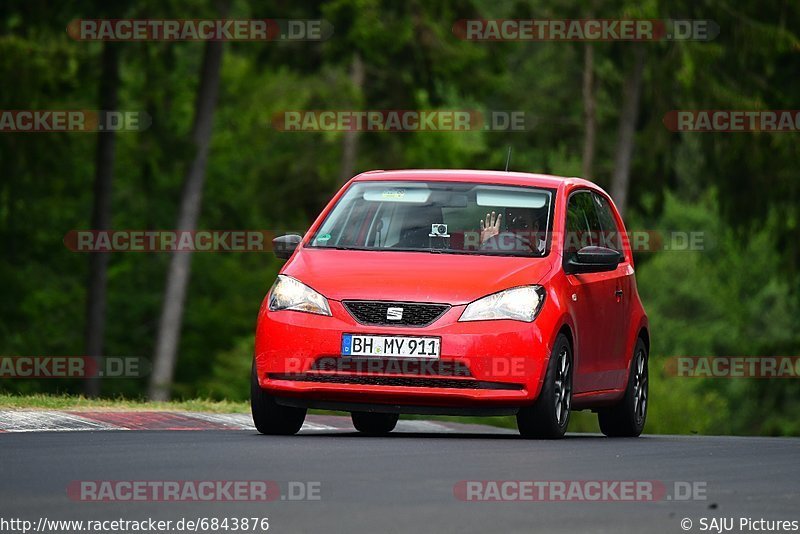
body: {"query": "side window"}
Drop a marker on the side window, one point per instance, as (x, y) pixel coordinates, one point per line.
(610, 236)
(583, 226)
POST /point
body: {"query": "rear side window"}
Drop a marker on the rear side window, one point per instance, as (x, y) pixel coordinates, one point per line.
(583, 226)
(610, 236)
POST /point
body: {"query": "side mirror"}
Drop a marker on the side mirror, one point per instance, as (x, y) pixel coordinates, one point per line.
(284, 246)
(593, 260)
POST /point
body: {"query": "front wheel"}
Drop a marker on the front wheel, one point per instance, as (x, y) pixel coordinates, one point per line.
(627, 418)
(548, 417)
(374, 424)
(270, 417)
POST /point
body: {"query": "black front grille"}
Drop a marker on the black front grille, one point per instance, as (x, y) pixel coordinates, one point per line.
(371, 380)
(377, 312)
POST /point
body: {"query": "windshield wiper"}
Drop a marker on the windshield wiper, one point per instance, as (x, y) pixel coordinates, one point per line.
(340, 247)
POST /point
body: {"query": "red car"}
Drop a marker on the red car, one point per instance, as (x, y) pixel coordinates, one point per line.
(460, 293)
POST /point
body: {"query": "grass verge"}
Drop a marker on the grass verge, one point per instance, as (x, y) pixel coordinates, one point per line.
(72, 402)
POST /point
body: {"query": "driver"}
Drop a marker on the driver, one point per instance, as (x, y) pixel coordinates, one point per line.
(523, 226)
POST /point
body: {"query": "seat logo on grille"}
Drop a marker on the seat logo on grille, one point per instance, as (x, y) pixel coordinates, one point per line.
(394, 314)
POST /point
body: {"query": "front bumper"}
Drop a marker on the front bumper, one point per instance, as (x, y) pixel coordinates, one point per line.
(482, 364)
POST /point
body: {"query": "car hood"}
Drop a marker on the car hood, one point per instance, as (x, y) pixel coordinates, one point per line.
(411, 276)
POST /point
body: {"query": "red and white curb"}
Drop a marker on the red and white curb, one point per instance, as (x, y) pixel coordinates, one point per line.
(75, 421)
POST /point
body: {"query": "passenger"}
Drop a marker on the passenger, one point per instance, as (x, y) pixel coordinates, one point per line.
(523, 226)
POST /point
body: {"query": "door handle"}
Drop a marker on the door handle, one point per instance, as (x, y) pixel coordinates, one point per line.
(618, 293)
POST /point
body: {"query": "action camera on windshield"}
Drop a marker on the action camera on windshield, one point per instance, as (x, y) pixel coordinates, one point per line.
(438, 230)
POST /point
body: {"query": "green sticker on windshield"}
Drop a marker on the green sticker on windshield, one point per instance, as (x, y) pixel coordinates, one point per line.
(394, 193)
(324, 237)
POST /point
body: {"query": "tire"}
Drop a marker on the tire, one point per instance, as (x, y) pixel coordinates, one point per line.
(374, 424)
(548, 417)
(627, 418)
(270, 417)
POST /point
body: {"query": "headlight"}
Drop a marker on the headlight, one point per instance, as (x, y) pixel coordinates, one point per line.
(518, 303)
(290, 294)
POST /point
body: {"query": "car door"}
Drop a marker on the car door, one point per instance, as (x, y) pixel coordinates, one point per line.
(613, 361)
(592, 296)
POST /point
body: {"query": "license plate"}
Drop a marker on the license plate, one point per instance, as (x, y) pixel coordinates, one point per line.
(391, 346)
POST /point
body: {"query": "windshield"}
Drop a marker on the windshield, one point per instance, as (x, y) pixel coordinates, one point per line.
(441, 217)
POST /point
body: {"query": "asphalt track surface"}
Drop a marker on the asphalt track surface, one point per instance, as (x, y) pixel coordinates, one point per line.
(404, 482)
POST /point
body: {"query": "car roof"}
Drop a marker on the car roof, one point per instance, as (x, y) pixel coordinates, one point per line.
(465, 175)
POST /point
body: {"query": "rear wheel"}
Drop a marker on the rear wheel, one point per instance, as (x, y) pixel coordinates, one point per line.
(374, 424)
(548, 417)
(270, 417)
(627, 418)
